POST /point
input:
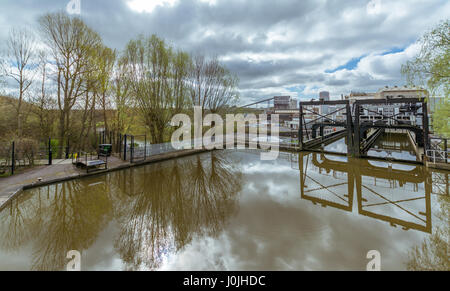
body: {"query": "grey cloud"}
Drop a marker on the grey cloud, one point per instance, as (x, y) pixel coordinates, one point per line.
(331, 32)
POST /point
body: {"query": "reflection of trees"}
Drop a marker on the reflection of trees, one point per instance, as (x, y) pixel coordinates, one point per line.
(159, 209)
(143, 218)
(433, 253)
(178, 200)
(57, 219)
(13, 218)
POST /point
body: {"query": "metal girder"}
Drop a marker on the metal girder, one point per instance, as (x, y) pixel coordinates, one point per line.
(323, 102)
(262, 101)
(390, 101)
(325, 139)
(355, 178)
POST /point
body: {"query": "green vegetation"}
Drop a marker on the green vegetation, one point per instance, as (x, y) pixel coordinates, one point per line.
(432, 254)
(431, 68)
(73, 85)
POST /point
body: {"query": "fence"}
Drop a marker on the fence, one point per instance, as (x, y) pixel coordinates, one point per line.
(5, 158)
(136, 148)
(438, 151)
(26, 153)
(437, 156)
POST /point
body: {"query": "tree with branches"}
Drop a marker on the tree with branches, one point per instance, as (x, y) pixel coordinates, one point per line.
(431, 68)
(19, 65)
(71, 43)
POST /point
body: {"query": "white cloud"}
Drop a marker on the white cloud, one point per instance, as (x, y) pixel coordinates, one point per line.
(210, 2)
(374, 7)
(272, 48)
(149, 5)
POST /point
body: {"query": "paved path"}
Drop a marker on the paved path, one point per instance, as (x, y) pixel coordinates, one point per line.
(60, 169)
(63, 171)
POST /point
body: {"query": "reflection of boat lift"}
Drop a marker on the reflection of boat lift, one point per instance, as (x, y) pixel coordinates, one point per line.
(346, 198)
(411, 176)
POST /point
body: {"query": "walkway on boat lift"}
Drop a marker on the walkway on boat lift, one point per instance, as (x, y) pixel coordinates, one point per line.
(364, 122)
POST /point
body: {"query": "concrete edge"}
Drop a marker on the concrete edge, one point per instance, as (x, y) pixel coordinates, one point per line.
(438, 166)
(151, 160)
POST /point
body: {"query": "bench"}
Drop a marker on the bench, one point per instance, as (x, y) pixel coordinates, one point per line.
(93, 163)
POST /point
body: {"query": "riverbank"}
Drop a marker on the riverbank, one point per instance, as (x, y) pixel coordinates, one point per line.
(36, 177)
(46, 175)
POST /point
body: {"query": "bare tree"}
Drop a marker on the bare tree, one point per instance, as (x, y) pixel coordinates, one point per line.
(20, 56)
(122, 100)
(44, 104)
(213, 87)
(87, 104)
(71, 42)
(158, 78)
(105, 62)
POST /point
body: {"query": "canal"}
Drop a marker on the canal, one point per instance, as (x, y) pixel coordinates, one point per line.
(228, 210)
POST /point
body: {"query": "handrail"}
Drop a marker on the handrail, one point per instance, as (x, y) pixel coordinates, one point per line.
(438, 155)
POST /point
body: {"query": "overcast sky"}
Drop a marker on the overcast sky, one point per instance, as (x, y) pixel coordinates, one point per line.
(282, 47)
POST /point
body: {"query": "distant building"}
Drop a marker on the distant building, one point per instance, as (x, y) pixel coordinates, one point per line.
(293, 124)
(293, 104)
(402, 92)
(361, 96)
(379, 112)
(324, 95)
(389, 93)
(282, 102)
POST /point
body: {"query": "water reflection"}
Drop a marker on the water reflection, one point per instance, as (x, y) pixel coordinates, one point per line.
(398, 194)
(57, 219)
(339, 146)
(231, 211)
(170, 204)
(393, 145)
(433, 252)
(158, 209)
(330, 181)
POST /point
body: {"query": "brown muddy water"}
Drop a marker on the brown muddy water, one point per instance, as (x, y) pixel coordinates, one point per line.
(228, 210)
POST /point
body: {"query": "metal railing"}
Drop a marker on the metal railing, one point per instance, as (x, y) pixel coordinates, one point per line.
(438, 156)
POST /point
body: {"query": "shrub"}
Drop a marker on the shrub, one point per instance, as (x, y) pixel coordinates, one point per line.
(26, 150)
